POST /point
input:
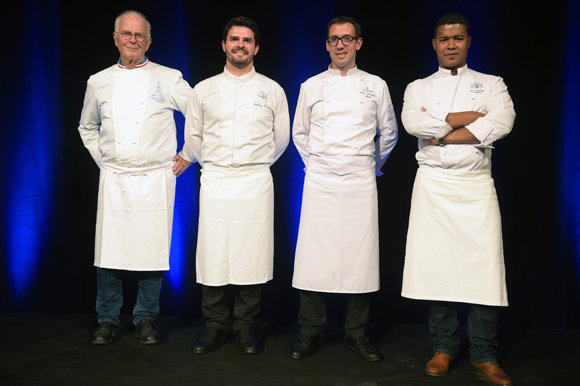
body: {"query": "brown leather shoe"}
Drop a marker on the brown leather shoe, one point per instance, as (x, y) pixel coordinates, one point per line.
(439, 365)
(492, 373)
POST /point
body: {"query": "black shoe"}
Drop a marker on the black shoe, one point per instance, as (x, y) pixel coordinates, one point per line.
(211, 339)
(304, 346)
(363, 348)
(145, 332)
(245, 341)
(104, 333)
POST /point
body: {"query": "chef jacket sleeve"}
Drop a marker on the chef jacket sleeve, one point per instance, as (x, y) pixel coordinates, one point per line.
(180, 94)
(301, 128)
(281, 125)
(499, 118)
(90, 123)
(194, 127)
(387, 129)
(422, 124)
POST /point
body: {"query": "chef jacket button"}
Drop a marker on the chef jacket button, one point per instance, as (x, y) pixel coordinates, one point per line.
(328, 147)
(134, 142)
(137, 122)
(327, 101)
(119, 141)
(360, 102)
(142, 103)
(438, 102)
(472, 98)
(444, 153)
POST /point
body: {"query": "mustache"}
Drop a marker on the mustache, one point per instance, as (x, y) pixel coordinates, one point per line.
(240, 50)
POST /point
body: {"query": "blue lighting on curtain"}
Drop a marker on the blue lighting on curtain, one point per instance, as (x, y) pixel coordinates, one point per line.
(171, 38)
(309, 20)
(31, 153)
(570, 140)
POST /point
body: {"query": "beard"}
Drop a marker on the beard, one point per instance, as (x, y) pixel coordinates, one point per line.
(239, 63)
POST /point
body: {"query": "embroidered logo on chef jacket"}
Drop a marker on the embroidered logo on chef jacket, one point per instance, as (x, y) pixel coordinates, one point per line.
(367, 92)
(262, 101)
(477, 88)
(158, 94)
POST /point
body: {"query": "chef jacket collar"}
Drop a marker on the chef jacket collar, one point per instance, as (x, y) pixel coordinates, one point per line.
(351, 72)
(460, 71)
(142, 64)
(240, 79)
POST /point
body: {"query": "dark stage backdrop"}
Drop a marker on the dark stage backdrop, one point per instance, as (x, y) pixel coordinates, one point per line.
(49, 181)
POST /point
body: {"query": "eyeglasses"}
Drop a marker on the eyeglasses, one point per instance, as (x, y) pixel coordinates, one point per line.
(347, 40)
(138, 36)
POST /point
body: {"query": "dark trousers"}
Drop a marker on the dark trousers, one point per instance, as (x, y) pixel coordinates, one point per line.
(312, 314)
(110, 295)
(214, 305)
(481, 330)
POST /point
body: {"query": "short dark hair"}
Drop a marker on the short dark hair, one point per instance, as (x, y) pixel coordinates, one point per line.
(242, 21)
(344, 20)
(452, 18)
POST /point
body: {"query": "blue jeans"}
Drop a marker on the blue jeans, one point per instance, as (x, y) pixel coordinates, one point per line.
(481, 330)
(110, 295)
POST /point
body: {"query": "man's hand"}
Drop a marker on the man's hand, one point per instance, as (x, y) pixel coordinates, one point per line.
(180, 165)
(433, 141)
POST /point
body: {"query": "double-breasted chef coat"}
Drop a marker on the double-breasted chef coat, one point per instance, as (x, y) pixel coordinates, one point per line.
(454, 243)
(337, 119)
(128, 127)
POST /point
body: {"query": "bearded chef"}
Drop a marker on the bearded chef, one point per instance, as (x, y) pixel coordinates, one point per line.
(338, 116)
(128, 127)
(454, 244)
(237, 125)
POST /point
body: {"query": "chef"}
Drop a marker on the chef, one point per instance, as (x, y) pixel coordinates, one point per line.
(127, 125)
(338, 116)
(237, 125)
(454, 244)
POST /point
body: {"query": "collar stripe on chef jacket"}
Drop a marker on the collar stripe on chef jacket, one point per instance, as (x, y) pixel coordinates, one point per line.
(142, 64)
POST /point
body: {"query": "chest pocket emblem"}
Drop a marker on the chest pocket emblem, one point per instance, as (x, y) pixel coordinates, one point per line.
(367, 92)
(158, 95)
(477, 88)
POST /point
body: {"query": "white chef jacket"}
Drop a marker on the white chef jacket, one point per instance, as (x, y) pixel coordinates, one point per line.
(128, 127)
(233, 121)
(441, 94)
(340, 132)
(236, 127)
(454, 244)
(336, 121)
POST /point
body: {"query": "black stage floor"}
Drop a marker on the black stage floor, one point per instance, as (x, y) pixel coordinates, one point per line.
(44, 349)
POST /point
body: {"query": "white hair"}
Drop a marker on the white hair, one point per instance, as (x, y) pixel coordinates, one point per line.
(118, 19)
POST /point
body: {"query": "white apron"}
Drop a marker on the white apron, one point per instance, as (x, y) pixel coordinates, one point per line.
(135, 219)
(135, 204)
(338, 244)
(235, 243)
(454, 244)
